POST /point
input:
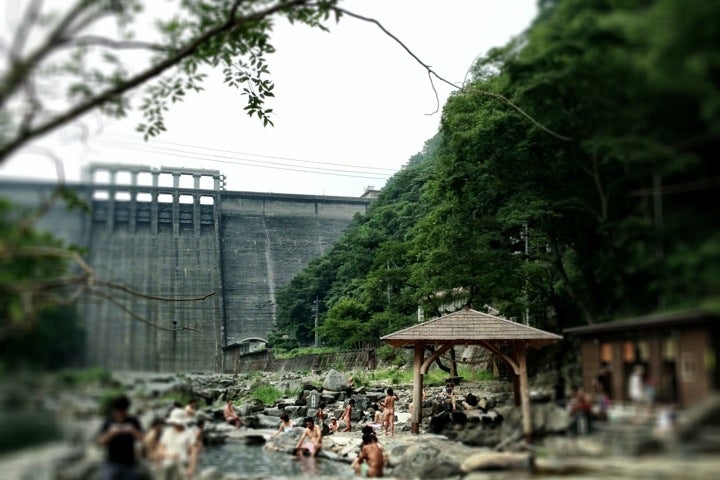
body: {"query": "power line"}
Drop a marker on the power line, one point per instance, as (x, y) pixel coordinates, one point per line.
(258, 163)
(379, 169)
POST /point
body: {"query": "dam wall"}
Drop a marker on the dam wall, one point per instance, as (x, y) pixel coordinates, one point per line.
(186, 272)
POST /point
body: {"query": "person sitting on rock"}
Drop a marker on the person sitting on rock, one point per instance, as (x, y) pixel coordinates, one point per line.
(579, 408)
(423, 398)
(286, 425)
(470, 402)
(447, 397)
(320, 414)
(333, 425)
(310, 440)
(191, 409)
(231, 415)
(376, 416)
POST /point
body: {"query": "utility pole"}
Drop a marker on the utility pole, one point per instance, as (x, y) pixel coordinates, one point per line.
(527, 291)
(316, 310)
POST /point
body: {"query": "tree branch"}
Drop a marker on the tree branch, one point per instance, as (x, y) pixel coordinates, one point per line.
(20, 69)
(18, 42)
(432, 73)
(137, 293)
(94, 40)
(139, 79)
(140, 318)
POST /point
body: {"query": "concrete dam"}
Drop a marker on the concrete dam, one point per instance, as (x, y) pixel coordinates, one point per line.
(174, 234)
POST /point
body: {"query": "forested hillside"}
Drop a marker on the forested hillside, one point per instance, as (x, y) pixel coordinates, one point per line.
(572, 181)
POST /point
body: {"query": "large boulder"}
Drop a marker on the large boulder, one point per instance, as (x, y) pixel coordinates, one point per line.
(335, 381)
(421, 461)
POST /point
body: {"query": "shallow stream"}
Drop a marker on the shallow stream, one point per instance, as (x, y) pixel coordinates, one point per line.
(253, 460)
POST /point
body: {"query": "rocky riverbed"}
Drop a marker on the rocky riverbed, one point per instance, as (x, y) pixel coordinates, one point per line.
(481, 443)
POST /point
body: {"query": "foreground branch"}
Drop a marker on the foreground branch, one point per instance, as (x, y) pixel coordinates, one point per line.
(118, 90)
(432, 73)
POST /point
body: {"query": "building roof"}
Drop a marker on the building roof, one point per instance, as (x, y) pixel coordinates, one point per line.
(666, 319)
(469, 327)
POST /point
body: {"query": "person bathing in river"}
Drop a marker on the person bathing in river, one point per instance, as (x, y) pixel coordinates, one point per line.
(310, 440)
(285, 425)
(372, 454)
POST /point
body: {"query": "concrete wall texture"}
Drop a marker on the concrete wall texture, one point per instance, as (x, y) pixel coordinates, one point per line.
(169, 243)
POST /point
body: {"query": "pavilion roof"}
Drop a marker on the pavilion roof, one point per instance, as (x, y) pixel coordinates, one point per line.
(470, 327)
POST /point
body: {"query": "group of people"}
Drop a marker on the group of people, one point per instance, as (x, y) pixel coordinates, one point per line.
(171, 446)
(371, 458)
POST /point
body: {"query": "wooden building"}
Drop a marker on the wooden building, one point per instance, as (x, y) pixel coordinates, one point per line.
(678, 352)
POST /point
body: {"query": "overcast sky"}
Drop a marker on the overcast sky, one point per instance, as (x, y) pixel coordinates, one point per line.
(351, 105)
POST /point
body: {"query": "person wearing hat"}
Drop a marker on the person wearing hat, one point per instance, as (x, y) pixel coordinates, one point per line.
(175, 449)
(333, 425)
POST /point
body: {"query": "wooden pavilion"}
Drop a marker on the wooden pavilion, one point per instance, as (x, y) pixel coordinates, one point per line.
(505, 338)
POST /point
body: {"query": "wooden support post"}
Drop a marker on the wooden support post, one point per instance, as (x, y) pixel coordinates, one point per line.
(417, 387)
(520, 353)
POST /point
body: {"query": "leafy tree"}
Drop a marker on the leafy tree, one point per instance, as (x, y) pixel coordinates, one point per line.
(597, 218)
(345, 325)
(56, 341)
(601, 205)
(367, 268)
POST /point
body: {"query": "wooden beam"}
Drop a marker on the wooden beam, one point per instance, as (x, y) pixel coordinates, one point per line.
(496, 350)
(521, 355)
(428, 361)
(417, 387)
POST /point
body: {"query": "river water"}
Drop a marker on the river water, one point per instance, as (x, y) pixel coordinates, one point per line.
(245, 460)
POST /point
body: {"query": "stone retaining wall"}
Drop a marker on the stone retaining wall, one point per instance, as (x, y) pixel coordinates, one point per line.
(265, 361)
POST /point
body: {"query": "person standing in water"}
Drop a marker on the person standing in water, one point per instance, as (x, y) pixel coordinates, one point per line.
(345, 417)
(388, 405)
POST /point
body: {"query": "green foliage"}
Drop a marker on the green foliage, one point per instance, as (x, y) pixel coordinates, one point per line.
(281, 343)
(74, 377)
(362, 282)
(345, 325)
(618, 220)
(394, 376)
(267, 394)
(299, 352)
(26, 429)
(53, 341)
(389, 355)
